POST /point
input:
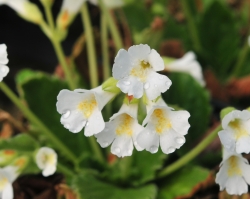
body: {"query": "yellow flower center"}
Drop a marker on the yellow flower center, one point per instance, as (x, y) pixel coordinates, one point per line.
(239, 130)
(141, 71)
(161, 122)
(233, 166)
(49, 159)
(87, 106)
(3, 182)
(125, 126)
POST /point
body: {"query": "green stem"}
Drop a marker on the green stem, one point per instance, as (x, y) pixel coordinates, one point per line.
(241, 59)
(191, 25)
(105, 56)
(32, 118)
(191, 155)
(112, 26)
(105, 53)
(65, 170)
(96, 148)
(90, 46)
(58, 48)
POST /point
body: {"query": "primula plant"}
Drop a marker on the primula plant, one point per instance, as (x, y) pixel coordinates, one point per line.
(156, 108)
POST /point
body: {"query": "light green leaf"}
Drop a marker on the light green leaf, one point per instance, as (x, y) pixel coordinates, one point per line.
(88, 187)
(20, 143)
(182, 182)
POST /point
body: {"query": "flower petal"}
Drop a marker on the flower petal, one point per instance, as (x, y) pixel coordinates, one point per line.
(222, 177)
(8, 192)
(3, 54)
(49, 170)
(122, 65)
(139, 52)
(179, 121)
(170, 141)
(156, 84)
(131, 86)
(242, 145)
(155, 60)
(236, 185)
(68, 100)
(148, 140)
(4, 70)
(122, 146)
(95, 124)
(227, 139)
(107, 136)
(74, 122)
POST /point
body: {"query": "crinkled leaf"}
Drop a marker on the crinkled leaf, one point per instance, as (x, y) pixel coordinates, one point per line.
(219, 40)
(186, 93)
(21, 143)
(40, 91)
(88, 187)
(183, 182)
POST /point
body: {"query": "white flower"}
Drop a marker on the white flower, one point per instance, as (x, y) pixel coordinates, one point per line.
(109, 3)
(235, 135)
(25, 9)
(188, 64)
(234, 174)
(81, 108)
(4, 70)
(68, 11)
(122, 130)
(7, 176)
(136, 71)
(46, 160)
(165, 127)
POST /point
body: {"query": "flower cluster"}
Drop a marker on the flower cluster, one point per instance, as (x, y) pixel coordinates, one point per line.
(234, 174)
(135, 74)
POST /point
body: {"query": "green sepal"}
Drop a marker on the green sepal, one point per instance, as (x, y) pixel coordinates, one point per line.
(133, 101)
(48, 3)
(32, 13)
(225, 111)
(168, 60)
(144, 99)
(110, 86)
(7, 156)
(21, 163)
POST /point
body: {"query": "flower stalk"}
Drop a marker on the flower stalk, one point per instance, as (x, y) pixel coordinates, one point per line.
(58, 48)
(112, 26)
(90, 46)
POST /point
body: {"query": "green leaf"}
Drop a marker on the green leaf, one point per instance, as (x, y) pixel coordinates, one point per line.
(189, 95)
(145, 165)
(21, 143)
(40, 91)
(88, 187)
(220, 40)
(182, 182)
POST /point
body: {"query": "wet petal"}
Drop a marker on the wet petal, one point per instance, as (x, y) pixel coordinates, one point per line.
(122, 146)
(155, 60)
(148, 140)
(156, 84)
(122, 65)
(95, 124)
